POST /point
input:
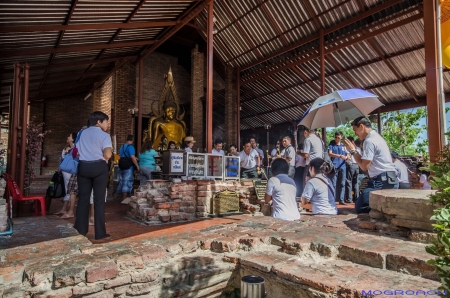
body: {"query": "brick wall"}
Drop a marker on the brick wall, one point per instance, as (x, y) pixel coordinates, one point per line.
(156, 65)
(62, 117)
(230, 106)
(102, 97)
(124, 99)
(37, 110)
(197, 92)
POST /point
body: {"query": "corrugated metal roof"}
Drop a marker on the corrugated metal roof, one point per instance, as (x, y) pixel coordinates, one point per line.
(274, 42)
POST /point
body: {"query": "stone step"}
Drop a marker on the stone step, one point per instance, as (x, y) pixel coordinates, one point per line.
(338, 277)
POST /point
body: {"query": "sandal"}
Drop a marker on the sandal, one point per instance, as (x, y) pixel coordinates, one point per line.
(67, 216)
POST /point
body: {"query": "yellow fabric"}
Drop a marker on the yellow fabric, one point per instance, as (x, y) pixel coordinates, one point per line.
(445, 32)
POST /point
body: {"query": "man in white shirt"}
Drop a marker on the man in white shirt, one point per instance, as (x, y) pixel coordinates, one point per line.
(402, 172)
(288, 154)
(281, 191)
(260, 152)
(218, 148)
(249, 161)
(312, 148)
(376, 159)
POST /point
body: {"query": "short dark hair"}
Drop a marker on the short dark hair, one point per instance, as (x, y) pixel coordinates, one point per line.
(362, 120)
(170, 143)
(319, 165)
(339, 133)
(97, 116)
(279, 166)
(252, 138)
(350, 138)
(246, 142)
(233, 145)
(218, 141)
(394, 155)
(420, 165)
(130, 138)
(74, 135)
(287, 138)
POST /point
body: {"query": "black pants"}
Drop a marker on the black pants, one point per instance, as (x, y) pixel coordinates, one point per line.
(249, 173)
(91, 175)
(299, 180)
(351, 182)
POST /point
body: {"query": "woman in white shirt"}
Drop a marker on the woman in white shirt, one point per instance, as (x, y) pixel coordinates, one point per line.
(189, 143)
(423, 181)
(70, 139)
(319, 189)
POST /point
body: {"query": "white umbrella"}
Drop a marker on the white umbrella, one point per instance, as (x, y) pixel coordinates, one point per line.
(339, 107)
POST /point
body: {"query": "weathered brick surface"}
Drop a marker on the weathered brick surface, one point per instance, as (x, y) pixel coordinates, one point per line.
(101, 271)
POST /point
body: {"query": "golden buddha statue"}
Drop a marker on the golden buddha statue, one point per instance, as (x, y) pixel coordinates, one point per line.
(166, 125)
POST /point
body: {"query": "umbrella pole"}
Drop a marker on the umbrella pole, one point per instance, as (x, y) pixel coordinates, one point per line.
(339, 113)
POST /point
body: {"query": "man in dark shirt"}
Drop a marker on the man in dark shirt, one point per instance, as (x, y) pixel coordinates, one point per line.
(338, 154)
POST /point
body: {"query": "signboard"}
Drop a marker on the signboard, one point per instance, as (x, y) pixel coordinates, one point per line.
(215, 166)
(225, 202)
(196, 164)
(232, 167)
(260, 188)
(176, 162)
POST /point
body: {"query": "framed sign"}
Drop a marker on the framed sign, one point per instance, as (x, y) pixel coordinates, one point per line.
(260, 188)
(176, 162)
(196, 164)
(215, 166)
(232, 167)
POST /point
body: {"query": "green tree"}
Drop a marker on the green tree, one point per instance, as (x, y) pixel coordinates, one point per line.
(346, 129)
(401, 130)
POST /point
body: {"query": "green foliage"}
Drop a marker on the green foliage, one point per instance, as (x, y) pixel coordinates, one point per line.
(401, 130)
(346, 129)
(441, 246)
(440, 180)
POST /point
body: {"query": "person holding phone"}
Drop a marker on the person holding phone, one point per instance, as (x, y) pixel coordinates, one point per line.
(375, 158)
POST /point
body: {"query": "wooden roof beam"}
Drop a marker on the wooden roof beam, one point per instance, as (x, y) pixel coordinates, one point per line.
(68, 49)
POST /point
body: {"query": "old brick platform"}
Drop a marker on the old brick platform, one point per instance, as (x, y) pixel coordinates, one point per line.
(316, 256)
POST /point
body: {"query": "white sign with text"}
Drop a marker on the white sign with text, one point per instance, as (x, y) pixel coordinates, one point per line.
(176, 162)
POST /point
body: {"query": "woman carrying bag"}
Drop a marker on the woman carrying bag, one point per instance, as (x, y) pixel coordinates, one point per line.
(94, 149)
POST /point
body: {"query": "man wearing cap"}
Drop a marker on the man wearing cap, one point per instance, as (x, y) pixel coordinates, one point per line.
(249, 161)
(402, 172)
(376, 159)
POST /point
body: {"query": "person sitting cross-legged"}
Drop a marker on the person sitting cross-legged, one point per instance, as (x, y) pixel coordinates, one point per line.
(319, 190)
(281, 190)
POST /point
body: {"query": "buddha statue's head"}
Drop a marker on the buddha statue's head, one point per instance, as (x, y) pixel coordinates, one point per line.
(170, 111)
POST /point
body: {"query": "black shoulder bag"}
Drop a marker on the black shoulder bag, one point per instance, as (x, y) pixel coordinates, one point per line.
(125, 162)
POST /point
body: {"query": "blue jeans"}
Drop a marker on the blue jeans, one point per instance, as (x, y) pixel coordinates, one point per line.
(339, 184)
(126, 179)
(362, 204)
(144, 175)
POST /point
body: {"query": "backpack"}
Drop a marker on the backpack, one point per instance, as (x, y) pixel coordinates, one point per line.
(329, 162)
(125, 162)
(57, 190)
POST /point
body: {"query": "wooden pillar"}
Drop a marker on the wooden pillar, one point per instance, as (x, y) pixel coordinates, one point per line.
(23, 143)
(140, 95)
(209, 78)
(15, 121)
(238, 98)
(431, 70)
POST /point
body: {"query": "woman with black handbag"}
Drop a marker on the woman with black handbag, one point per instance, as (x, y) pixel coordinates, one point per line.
(95, 149)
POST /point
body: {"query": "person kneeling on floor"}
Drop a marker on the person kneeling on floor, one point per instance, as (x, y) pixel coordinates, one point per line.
(319, 190)
(281, 190)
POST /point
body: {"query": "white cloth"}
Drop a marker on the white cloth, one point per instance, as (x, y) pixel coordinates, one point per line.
(248, 161)
(424, 180)
(377, 151)
(313, 146)
(92, 142)
(187, 149)
(320, 196)
(299, 161)
(214, 151)
(66, 177)
(402, 171)
(289, 152)
(282, 189)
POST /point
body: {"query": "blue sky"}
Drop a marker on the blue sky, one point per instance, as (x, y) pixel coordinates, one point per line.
(423, 121)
